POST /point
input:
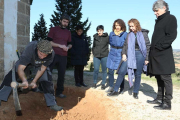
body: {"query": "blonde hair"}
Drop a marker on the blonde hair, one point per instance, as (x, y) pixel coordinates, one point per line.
(136, 24)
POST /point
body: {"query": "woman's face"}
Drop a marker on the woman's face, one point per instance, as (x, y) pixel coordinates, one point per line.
(100, 32)
(79, 32)
(117, 27)
(132, 27)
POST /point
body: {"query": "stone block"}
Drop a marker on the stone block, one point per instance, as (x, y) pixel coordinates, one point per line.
(1, 48)
(26, 1)
(23, 19)
(1, 16)
(1, 65)
(22, 40)
(21, 30)
(1, 76)
(21, 7)
(2, 4)
(2, 32)
(28, 10)
(27, 30)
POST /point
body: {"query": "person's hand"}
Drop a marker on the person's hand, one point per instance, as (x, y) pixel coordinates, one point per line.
(33, 85)
(26, 84)
(146, 62)
(124, 58)
(63, 47)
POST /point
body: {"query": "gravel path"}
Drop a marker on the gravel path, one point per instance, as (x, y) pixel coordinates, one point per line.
(136, 109)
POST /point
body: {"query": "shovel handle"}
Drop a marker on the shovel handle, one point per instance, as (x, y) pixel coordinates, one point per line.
(16, 84)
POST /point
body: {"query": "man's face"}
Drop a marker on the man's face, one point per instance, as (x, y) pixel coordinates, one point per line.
(41, 55)
(64, 23)
(160, 11)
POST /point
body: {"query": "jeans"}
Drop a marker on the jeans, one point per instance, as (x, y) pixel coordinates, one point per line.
(78, 73)
(140, 59)
(97, 62)
(121, 73)
(61, 62)
(111, 79)
(164, 83)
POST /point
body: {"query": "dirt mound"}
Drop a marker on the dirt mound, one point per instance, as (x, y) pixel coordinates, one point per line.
(80, 104)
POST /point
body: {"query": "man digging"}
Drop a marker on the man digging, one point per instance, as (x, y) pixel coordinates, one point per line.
(40, 55)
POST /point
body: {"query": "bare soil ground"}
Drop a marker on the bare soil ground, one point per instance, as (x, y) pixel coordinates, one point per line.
(92, 104)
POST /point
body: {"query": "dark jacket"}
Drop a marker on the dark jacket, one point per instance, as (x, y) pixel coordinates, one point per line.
(79, 50)
(161, 60)
(100, 45)
(146, 38)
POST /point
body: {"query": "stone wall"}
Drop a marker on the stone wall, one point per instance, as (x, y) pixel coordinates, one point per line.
(1, 39)
(23, 24)
(14, 31)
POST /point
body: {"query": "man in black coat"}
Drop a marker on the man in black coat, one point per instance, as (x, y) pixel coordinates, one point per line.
(161, 60)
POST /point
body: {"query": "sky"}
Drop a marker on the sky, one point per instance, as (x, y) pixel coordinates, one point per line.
(105, 12)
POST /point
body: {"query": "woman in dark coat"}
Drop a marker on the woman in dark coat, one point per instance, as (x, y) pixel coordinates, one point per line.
(79, 53)
(161, 60)
(100, 52)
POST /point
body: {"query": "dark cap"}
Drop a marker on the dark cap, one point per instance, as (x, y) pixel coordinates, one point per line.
(44, 46)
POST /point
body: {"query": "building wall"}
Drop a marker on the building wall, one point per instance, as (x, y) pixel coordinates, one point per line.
(1, 39)
(14, 31)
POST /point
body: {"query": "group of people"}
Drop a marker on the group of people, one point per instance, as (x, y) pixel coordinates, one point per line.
(130, 52)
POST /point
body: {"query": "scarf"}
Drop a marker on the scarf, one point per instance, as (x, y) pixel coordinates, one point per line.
(117, 32)
(131, 63)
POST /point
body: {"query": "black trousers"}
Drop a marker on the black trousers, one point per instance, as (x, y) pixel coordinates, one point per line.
(78, 73)
(165, 88)
(60, 62)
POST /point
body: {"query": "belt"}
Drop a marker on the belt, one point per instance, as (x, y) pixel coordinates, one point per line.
(116, 47)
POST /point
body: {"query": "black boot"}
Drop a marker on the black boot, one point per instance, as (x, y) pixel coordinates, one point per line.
(155, 101)
(78, 85)
(82, 84)
(103, 87)
(163, 106)
(94, 86)
(135, 95)
(113, 93)
(121, 91)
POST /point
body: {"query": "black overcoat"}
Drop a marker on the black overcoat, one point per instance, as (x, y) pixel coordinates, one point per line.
(161, 60)
(79, 50)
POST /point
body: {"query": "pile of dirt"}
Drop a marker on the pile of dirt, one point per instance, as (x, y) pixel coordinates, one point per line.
(80, 104)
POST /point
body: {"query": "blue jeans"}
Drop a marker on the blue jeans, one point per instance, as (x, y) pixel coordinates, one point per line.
(111, 79)
(140, 63)
(97, 62)
(121, 73)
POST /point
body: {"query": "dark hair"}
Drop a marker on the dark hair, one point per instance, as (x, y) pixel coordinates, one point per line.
(100, 27)
(79, 27)
(65, 16)
(121, 23)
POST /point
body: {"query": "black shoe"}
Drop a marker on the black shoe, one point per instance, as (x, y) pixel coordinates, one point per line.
(78, 85)
(82, 84)
(135, 95)
(155, 101)
(61, 96)
(130, 91)
(94, 86)
(163, 106)
(113, 93)
(121, 91)
(103, 87)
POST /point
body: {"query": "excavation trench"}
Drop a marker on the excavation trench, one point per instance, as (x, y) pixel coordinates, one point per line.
(80, 104)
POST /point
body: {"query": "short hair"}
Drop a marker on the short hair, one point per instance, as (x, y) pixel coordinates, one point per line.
(100, 27)
(121, 23)
(79, 27)
(44, 46)
(159, 4)
(65, 16)
(136, 24)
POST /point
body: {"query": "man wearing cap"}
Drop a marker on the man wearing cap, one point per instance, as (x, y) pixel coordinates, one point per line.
(161, 60)
(60, 38)
(40, 55)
